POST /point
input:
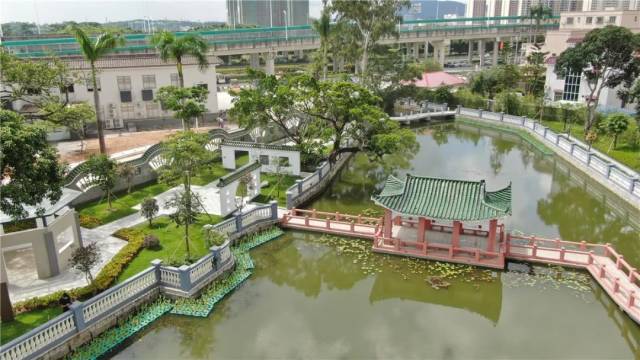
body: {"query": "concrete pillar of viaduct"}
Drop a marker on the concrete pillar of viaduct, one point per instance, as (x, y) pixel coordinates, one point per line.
(426, 50)
(270, 65)
(481, 52)
(470, 53)
(254, 61)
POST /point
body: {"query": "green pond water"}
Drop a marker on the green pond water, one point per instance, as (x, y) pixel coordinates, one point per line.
(322, 297)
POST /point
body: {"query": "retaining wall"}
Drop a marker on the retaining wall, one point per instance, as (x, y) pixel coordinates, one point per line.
(618, 178)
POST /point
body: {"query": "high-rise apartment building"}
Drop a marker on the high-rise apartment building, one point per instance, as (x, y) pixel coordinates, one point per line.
(268, 13)
(482, 8)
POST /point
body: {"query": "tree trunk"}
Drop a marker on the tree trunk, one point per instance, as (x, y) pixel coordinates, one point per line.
(615, 141)
(324, 63)
(185, 125)
(109, 198)
(96, 102)
(150, 221)
(187, 188)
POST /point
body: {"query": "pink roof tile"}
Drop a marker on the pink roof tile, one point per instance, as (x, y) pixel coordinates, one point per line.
(437, 79)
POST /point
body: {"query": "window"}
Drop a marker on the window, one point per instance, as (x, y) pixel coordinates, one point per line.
(125, 96)
(148, 82)
(557, 95)
(283, 161)
(612, 19)
(589, 20)
(127, 111)
(569, 21)
(264, 159)
(124, 83)
(175, 80)
(571, 87)
(204, 86)
(147, 95)
(90, 84)
(599, 20)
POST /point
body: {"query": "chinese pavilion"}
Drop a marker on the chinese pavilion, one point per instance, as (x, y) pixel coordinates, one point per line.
(424, 218)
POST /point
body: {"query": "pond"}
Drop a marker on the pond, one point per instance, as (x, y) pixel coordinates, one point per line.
(314, 296)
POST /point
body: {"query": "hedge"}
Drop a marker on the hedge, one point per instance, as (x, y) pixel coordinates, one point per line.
(105, 278)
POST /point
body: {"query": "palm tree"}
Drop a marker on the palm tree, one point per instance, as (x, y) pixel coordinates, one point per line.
(175, 48)
(538, 13)
(323, 27)
(92, 51)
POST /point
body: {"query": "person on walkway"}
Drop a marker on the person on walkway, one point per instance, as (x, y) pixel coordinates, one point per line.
(220, 122)
(65, 301)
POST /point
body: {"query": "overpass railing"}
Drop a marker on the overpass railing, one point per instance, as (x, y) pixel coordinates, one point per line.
(251, 37)
(612, 172)
(182, 281)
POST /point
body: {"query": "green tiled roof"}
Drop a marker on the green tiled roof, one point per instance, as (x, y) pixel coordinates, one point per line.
(444, 199)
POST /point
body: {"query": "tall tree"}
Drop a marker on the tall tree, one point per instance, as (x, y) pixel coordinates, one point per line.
(370, 20)
(186, 103)
(30, 174)
(175, 48)
(606, 58)
(323, 27)
(74, 116)
(185, 152)
(93, 51)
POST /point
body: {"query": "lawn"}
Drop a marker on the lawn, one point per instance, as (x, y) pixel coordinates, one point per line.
(97, 213)
(623, 153)
(24, 322)
(172, 246)
(270, 192)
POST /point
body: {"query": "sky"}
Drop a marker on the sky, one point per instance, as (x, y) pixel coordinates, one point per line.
(52, 11)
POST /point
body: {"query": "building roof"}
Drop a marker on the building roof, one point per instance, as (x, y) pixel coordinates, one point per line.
(238, 173)
(436, 79)
(444, 199)
(133, 60)
(253, 145)
(67, 197)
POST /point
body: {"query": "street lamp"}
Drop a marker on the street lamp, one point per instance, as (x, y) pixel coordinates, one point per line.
(286, 25)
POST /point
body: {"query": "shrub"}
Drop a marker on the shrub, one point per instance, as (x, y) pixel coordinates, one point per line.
(103, 280)
(469, 99)
(151, 241)
(89, 221)
(509, 103)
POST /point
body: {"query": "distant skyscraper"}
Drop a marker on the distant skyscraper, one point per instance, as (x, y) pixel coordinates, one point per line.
(267, 13)
(482, 8)
(431, 9)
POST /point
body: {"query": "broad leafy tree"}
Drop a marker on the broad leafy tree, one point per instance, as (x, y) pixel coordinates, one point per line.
(615, 125)
(127, 171)
(31, 172)
(186, 103)
(369, 21)
(176, 48)
(105, 174)
(309, 112)
(606, 58)
(186, 206)
(185, 152)
(93, 50)
(83, 259)
(74, 116)
(41, 84)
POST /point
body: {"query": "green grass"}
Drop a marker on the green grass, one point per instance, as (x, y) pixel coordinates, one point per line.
(624, 153)
(270, 192)
(172, 246)
(24, 322)
(124, 203)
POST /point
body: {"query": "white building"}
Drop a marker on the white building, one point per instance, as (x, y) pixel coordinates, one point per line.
(128, 86)
(573, 27)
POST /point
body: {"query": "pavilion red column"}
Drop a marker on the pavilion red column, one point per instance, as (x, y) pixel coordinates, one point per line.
(387, 224)
(455, 236)
(491, 241)
(422, 227)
